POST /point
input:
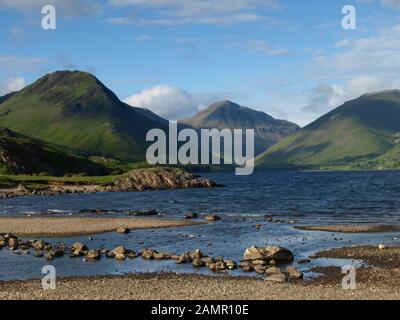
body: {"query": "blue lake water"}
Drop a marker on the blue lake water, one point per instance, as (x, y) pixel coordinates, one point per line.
(309, 198)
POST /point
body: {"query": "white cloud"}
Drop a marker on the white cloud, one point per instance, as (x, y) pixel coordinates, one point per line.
(326, 97)
(11, 85)
(172, 103)
(175, 12)
(378, 54)
(359, 66)
(65, 8)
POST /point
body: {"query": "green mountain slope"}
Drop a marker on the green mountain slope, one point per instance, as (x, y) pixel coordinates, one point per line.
(359, 130)
(228, 115)
(74, 110)
(23, 155)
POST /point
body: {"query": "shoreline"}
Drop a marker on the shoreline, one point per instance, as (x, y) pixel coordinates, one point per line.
(379, 279)
(80, 226)
(172, 286)
(352, 228)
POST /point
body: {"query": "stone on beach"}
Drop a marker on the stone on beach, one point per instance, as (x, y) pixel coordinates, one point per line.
(294, 273)
(184, 258)
(278, 254)
(198, 263)
(278, 277)
(123, 230)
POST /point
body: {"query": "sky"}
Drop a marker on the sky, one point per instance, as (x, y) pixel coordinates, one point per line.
(291, 59)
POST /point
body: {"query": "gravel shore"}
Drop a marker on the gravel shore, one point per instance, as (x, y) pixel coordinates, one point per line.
(381, 282)
(59, 226)
(191, 287)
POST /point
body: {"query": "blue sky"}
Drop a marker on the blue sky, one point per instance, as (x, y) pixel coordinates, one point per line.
(289, 58)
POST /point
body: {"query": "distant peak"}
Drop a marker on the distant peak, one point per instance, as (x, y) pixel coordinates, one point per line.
(223, 104)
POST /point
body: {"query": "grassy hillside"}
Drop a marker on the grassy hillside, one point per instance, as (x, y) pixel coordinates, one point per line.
(75, 111)
(23, 155)
(358, 131)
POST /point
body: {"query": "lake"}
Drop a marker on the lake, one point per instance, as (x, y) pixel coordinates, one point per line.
(307, 198)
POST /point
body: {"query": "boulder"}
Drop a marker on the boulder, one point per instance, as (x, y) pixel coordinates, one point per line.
(247, 268)
(184, 258)
(276, 253)
(148, 254)
(253, 253)
(273, 270)
(79, 247)
(207, 260)
(219, 266)
(294, 273)
(13, 243)
(259, 263)
(132, 254)
(123, 230)
(212, 217)
(259, 269)
(162, 255)
(191, 215)
(198, 263)
(38, 245)
(49, 256)
(119, 250)
(196, 254)
(278, 277)
(120, 256)
(230, 264)
(110, 255)
(93, 255)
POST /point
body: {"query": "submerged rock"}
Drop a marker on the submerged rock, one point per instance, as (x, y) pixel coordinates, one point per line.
(212, 217)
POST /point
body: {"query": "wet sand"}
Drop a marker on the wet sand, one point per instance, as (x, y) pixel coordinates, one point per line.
(59, 226)
(381, 282)
(367, 228)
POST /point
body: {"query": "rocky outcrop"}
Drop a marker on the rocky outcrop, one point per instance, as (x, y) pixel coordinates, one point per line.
(136, 180)
(154, 179)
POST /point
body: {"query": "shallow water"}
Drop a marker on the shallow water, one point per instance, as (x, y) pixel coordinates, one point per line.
(309, 198)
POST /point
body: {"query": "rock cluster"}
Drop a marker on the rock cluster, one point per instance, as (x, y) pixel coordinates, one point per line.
(265, 261)
(259, 260)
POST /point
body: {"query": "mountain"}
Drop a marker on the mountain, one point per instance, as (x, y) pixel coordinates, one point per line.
(76, 112)
(358, 131)
(23, 155)
(229, 115)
